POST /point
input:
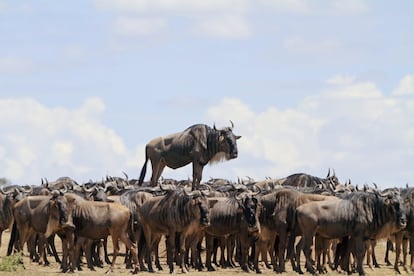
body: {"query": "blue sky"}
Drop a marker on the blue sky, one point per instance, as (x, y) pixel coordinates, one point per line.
(310, 85)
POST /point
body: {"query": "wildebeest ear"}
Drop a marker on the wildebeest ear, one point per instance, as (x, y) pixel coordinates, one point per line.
(238, 137)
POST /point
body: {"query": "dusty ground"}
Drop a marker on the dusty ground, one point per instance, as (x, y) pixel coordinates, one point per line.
(35, 269)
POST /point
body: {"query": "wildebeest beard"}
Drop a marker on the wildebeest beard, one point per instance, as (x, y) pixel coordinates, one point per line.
(213, 146)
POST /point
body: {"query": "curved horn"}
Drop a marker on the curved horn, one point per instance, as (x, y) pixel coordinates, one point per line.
(239, 196)
(88, 190)
(5, 192)
(214, 126)
(232, 125)
(329, 172)
(28, 190)
(193, 194)
(64, 190)
(126, 176)
(333, 172)
(205, 185)
(259, 190)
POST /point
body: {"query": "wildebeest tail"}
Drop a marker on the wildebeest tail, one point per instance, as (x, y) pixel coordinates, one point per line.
(143, 170)
(14, 237)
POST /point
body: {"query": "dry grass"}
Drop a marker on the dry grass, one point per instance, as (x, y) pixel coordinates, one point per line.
(32, 269)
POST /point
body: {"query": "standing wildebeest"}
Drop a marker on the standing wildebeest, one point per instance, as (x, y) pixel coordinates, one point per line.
(277, 219)
(235, 215)
(97, 220)
(359, 216)
(176, 212)
(45, 215)
(199, 144)
(8, 199)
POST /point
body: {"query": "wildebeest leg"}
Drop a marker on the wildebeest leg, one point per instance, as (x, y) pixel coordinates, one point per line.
(199, 249)
(295, 261)
(224, 245)
(105, 247)
(115, 243)
(389, 248)
(318, 253)
(42, 244)
(149, 244)
(244, 252)
(171, 251)
(123, 237)
(209, 249)
(142, 247)
(398, 242)
(359, 251)
(51, 243)
(307, 245)
(197, 174)
(155, 248)
(260, 249)
(183, 239)
(412, 252)
(404, 249)
(158, 166)
(281, 249)
(374, 258)
(231, 245)
(216, 244)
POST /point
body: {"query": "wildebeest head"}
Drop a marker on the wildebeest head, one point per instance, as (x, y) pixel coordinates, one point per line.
(198, 199)
(250, 207)
(227, 144)
(59, 214)
(395, 203)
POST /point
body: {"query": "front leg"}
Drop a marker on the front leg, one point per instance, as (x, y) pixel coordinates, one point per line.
(197, 174)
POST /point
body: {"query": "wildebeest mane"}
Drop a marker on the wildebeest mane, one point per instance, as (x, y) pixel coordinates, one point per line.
(231, 205)
(365, 208)
(176, 209)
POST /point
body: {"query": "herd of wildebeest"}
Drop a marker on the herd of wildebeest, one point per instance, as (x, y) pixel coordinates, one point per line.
(252, 224)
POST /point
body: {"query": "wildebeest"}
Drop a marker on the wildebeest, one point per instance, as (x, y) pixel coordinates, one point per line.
(199, 144)
(306, 180)
(277, 219)
(359, 216)
(236, 215)
(45, 215)
(98, 220)
(176, 212)
(8, 198)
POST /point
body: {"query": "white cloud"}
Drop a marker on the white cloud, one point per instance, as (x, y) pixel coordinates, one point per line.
(129, 26)
(40, 141)
(225, 27)
(351, 126)
(405, 87)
